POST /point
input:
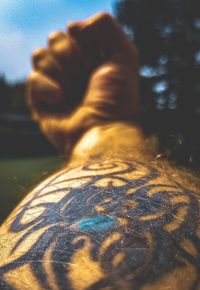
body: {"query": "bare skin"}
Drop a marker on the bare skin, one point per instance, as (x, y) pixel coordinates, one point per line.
(93, 63)
(115, 217)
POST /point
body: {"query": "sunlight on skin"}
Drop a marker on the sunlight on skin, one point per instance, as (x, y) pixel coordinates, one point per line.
(88, 143)
(115, 217)
(23, 278)
(81, 269)
(47, 264)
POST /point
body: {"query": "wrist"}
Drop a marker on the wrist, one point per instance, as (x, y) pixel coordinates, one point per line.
(114, 139)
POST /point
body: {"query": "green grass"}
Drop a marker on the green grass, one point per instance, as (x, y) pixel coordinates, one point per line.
(19, 176)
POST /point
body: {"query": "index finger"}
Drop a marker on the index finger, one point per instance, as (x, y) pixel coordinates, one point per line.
(103, 33)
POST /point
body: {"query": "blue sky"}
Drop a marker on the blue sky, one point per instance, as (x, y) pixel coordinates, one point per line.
(25, 25)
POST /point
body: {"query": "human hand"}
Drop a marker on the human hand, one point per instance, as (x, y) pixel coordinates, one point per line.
(86, 76)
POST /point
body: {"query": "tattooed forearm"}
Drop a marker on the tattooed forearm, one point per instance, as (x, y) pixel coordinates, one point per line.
(107, 225)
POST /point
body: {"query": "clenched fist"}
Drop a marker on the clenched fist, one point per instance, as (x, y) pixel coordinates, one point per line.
(86, 76)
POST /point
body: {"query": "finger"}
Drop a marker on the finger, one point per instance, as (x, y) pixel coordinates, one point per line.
(103, 33)
(44, 62)
(67, 53)
(92, 53)
(44, 94)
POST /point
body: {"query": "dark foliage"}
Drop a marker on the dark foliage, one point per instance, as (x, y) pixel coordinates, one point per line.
(12, 97)
(167, 34)
(19, 135)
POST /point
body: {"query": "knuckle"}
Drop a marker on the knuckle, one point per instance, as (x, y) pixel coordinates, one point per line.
(32, 78)
(104, 16)
(56, 37)
(38, 54)
(105, 22)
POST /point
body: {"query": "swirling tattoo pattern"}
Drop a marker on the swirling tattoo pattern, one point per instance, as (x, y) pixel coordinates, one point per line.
(106, 225)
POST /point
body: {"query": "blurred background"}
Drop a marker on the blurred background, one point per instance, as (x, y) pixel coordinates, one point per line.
(167, 34)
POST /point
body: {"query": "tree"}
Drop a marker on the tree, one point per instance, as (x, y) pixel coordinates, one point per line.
(4, 94)
(12, 97)
(18, 100)
(167, 33)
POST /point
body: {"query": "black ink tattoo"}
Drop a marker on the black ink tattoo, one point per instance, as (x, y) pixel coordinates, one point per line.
(147, 222)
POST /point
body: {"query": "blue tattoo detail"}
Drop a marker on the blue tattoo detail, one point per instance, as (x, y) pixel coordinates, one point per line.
(98, 223)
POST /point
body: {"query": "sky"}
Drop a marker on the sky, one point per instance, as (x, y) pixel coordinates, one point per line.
(25, 25)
